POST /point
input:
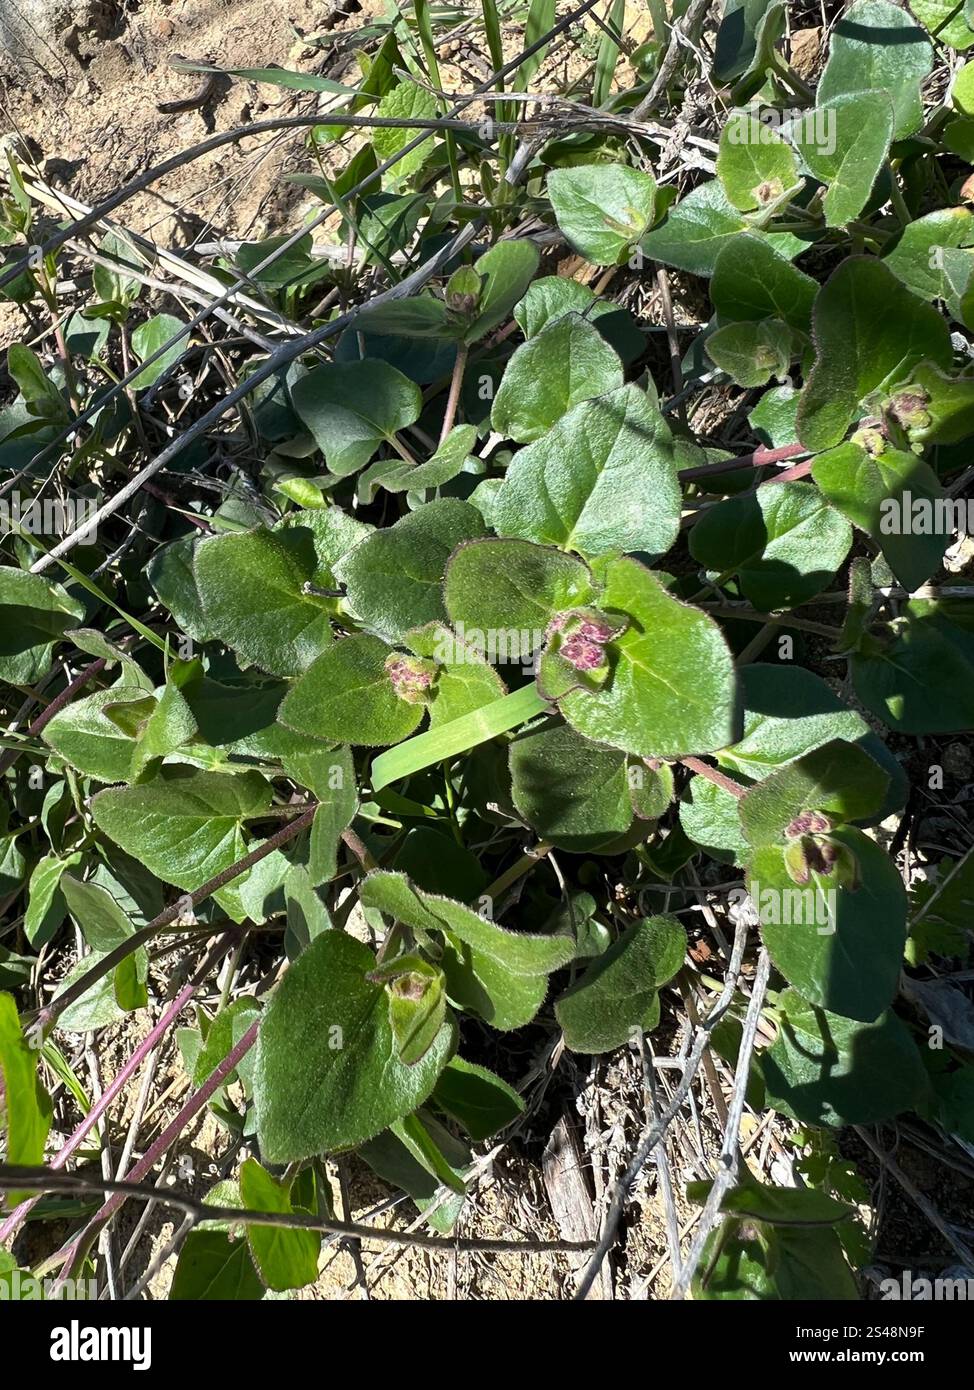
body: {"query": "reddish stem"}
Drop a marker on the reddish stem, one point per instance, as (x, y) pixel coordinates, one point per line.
(187, 1112)
(758, 458)
(10, 755)
(719, 779)
(10, 1226)
(47, 1015)
(788, 475)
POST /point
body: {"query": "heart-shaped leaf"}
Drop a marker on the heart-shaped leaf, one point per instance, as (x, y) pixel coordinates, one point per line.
(754, 164)
(347, 696)
(353, 407)
(603, 209)
(672, 688)
(841, 947)
(827, 1070)
(603, 480)
(394, 577)
(876, 46)
(327, 1074)
(751, 282)
(893, 496)
(572, 792)
(252, 588)
(569, 361)
(618, 994)
(859, 127)
(868, 329)
(784, 542)
(503, 593)
(838, 778)
(185, 827)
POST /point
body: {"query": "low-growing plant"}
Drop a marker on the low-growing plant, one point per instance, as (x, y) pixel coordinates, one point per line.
(449, 684)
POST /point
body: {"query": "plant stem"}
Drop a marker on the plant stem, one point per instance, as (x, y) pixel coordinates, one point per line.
(9, 1227)
(719, 779)
(8, 758)
(46, 1016)
(456, 386)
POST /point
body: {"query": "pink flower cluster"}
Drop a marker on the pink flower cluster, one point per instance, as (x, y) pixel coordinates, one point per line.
(584, 648)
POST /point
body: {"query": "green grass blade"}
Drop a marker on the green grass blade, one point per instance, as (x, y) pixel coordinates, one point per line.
(456, 737)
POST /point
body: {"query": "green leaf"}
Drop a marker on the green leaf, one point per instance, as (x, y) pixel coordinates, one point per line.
(337, 805)
(572, 792)
(46, 907)
(458, 735)
(479, 1101)
(775, 1206)
(102, 921)
(942, 408)
(750, 353)
(95, 643)
(347, 696)
(942, 910)
(251, 585)
(464, 682)
(148, 338)
(353, 407)
(553, 296)
(506, 592)
(505, 271)
(837, 778)
(879, 493)
(748, 1260)
(962, 89)
(916, 258)
(490, 971)
(603, 209)
(212, 1266)
(394, 577)
(85, 737)
(33, 616)
(418, 1155)
(618, 994)
(920, 678)
(286, 1259)
(170, 725)
(185, 827)
(841, 948)
(784, 542)
(698, 228)
(412, 102)
(755, 166)
(222, 1036)
(602, 480)
(751, 282)
(741, 36)
(788, 711)
(446, 463)
(868, 330)
(517, 952)
(170, 572)
(672, 689)
(291, 263)
(710, 818)
(25, 1106)
(327, 1074)
(946, 20)
(827, 1070)
(861, 129)
(569, 361)
(877, 47)
(113, 286)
